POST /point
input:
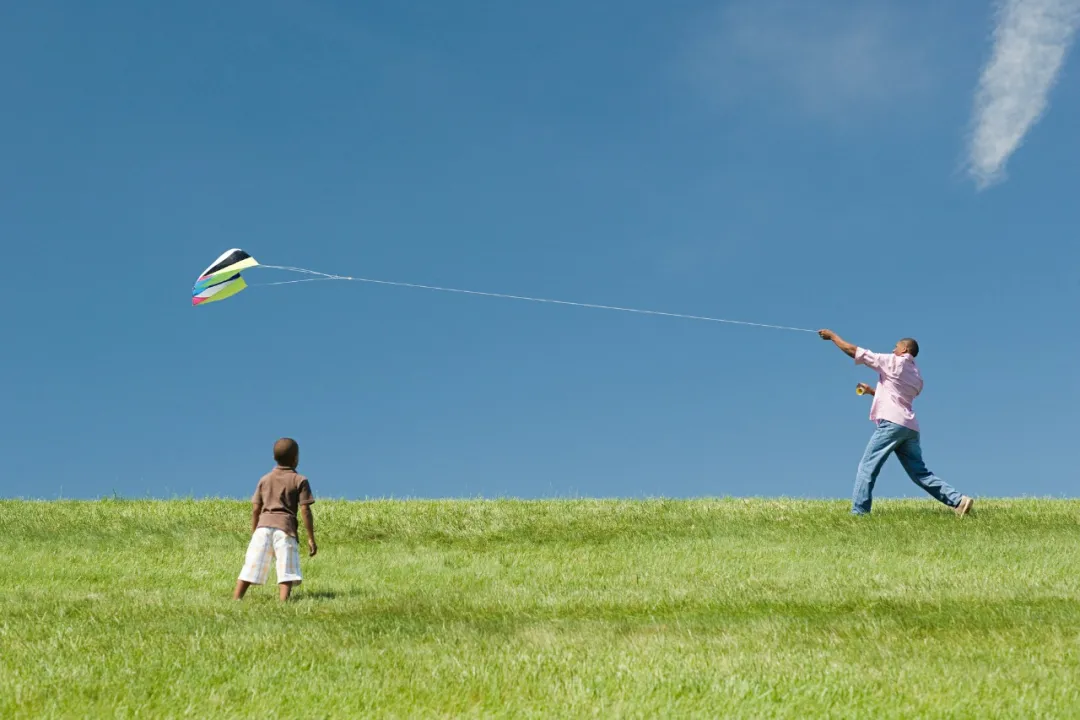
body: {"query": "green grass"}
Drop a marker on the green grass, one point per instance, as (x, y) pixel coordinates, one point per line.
(546, 609)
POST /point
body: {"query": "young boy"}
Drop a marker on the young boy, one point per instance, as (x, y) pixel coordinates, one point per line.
(273, 523)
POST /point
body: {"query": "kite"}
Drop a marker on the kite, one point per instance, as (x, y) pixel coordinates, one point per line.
(223, 279)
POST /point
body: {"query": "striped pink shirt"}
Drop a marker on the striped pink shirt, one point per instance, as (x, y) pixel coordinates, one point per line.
(899, 383)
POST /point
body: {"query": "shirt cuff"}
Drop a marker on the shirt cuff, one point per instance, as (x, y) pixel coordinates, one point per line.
(860, 355)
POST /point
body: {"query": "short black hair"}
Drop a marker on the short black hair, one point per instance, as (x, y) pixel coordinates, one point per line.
(286, 451)
(912, 345)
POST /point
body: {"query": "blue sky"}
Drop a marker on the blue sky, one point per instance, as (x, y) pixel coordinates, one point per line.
(754, 160)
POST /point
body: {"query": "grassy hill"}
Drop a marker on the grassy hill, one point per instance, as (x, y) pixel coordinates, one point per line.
(550, 608)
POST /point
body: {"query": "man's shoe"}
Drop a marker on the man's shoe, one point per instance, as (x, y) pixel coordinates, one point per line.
(964, 507)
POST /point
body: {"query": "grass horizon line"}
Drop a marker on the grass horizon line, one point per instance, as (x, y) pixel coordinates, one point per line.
(117, 497)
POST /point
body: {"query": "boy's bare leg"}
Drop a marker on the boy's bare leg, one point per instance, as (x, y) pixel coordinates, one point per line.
(284, 589)
(241, 588)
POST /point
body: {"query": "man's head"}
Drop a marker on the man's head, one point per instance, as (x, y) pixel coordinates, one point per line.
(287, 452)
(907, 346)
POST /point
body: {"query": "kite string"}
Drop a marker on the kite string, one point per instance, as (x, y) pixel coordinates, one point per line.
(321, 276)
(294, 282)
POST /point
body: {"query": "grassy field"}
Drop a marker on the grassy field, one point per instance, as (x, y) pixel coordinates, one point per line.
(558, 609)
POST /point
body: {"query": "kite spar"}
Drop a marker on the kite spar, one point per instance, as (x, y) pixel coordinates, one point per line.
(223, 279)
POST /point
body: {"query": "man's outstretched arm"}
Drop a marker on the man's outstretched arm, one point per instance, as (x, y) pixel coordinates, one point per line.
(847, 347)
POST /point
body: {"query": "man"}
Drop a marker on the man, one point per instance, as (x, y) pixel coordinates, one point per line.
(899, 383)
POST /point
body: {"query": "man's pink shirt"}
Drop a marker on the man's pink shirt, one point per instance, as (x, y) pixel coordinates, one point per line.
(899, 383)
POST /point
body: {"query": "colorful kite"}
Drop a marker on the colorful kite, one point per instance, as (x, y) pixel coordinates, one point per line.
(222, 279)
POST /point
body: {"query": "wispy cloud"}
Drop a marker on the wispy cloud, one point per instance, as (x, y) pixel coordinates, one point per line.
(832, 61)
(1031, 42)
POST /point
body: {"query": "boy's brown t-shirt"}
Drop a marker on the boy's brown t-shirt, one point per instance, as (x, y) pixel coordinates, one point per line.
(281, 492)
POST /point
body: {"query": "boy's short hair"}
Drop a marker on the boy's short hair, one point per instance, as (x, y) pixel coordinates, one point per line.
(912, 345)
(285, 452)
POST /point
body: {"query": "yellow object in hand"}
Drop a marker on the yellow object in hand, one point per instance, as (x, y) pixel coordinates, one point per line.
(859, 390)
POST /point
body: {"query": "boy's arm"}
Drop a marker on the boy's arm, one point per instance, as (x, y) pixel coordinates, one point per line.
(256, 511)
(309, 526)
(306, 499)
(256, 507)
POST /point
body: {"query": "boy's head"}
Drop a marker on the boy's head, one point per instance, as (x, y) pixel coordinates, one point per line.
(287, 452)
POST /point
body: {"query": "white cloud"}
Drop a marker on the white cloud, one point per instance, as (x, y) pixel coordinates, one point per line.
(829, 60)
(1031, 41)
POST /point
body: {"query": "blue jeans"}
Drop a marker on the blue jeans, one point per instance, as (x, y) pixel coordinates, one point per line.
(887, 439)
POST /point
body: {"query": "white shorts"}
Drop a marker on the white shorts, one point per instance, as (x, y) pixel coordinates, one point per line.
(267, 544)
